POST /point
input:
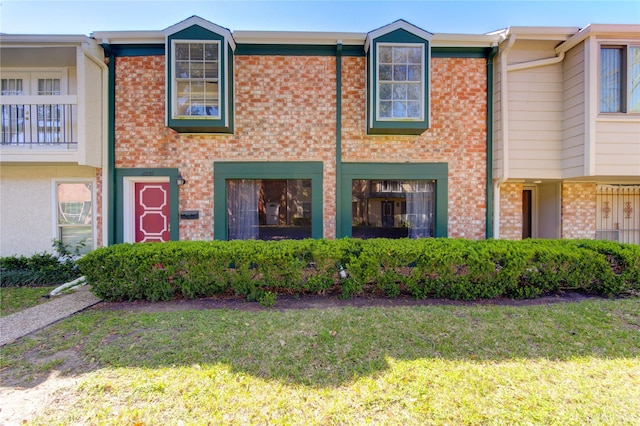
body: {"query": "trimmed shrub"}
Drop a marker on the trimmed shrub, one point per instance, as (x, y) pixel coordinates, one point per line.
(441, 268)
(42, 269)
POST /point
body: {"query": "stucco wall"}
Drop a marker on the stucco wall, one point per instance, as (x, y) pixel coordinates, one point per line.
(26, 206)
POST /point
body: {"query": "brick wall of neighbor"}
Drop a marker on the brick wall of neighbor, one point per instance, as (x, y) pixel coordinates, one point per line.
(285, 111)
(511, 211)
(578, 210)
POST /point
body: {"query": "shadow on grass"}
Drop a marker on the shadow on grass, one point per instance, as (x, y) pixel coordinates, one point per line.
(327, 348)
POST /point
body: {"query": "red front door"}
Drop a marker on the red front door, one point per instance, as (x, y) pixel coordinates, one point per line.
(152, 211)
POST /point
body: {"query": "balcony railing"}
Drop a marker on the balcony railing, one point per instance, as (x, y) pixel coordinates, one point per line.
(39, 122)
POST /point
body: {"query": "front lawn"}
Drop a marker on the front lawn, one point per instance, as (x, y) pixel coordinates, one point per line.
(567, 363)
(14, 299)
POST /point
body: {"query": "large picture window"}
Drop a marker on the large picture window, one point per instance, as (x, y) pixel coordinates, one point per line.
(620, 79)
(269, 209)
(74, 215)
(196, 74)
(393, 208)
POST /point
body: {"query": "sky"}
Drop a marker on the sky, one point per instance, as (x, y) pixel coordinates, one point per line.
(453, 16)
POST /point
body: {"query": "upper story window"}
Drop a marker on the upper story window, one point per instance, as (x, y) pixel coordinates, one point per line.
(400, 82)
(197, 73)
(620, 79)
(398, 58)
(200, 77)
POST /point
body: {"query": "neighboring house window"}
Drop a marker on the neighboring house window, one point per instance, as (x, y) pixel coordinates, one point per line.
(400, 82)
(269, 209)
(393, 208)
(197, 72)
(74, 215)
(618, 213)
(620, 79)
(31, 121)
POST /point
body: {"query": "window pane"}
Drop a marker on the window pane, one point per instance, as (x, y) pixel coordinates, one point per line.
(386, 73)
(385, 91)
(399, 72)
(399, 109)
(384, 109)
(415, 55)
(399, 91)
(197, 71)
(75, 215)
(610, 80)
(269, 209)
(415, 73)
(634, 79)
(400, 55)
(414, 92)
(413, 109)
(385, 55)
(393, 208)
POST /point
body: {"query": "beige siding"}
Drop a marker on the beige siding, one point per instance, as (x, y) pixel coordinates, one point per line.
(618, 148)
(93, 106)
(535, 113)
(573, 129)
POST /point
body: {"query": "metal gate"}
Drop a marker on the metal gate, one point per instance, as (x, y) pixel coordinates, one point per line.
(618, 213)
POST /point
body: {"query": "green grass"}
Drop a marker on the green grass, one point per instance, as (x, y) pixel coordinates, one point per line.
(563, 364)
(14, 299)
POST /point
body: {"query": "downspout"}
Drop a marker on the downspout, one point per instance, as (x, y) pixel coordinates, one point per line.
(338, 137)
(104, 136)
(504, 117)
(111, 194)
(489, 181)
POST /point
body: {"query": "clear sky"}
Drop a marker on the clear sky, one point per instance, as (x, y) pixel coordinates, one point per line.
(465, 17)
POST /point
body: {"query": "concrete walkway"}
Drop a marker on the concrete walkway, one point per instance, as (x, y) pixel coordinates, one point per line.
(25, 322)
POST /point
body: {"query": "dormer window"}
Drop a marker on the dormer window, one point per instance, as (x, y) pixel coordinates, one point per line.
(200, 77)
(398, 58)
(197, 85)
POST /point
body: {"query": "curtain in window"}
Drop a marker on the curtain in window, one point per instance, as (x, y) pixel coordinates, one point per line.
(610, 79)
(242, 209)
(420, 209)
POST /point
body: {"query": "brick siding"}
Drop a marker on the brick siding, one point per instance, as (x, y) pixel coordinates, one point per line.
(578, 210)
(285, 110)
(511, 211)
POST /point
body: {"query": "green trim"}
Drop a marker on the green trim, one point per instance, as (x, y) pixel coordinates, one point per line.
(436, 171)
(223, 171)
(297, 50)
(201, 125)
(460, 52)
(396, 126)
(109, 215)
(339, 48)
(137, 49)
(489, 183)
(172, 174)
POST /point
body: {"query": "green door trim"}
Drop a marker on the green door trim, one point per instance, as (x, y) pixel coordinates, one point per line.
(172, 174)
(225, 170)
(435, 171)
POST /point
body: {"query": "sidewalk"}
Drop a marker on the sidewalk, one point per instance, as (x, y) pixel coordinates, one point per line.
(21, 323)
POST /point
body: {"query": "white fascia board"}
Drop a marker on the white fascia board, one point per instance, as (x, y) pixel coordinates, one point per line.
(621, 31)
(298, 37)
(44, 40)
(466, 40)
(129, 37)
(542, 33)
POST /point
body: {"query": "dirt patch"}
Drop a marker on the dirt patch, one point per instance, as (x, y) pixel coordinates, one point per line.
(285, 302)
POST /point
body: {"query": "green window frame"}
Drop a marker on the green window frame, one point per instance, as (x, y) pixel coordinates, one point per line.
(199, 77)
(398, 72)
(277, 170)
(438, 172)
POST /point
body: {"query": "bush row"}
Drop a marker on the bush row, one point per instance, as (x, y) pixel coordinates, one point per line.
(42, 269)
(440, 268)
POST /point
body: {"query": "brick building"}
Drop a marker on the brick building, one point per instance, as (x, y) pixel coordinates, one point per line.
(290, 135)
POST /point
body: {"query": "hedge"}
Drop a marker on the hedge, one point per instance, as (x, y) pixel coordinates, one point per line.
(423, 268)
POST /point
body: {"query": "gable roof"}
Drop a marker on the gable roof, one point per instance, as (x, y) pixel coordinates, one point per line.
(400, 24)
(203, 23)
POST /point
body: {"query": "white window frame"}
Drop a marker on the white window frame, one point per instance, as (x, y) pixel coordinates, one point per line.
(174, 80)
(421, 83)
(55, 211)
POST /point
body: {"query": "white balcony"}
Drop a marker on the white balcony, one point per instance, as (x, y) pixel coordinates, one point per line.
(39, 129)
